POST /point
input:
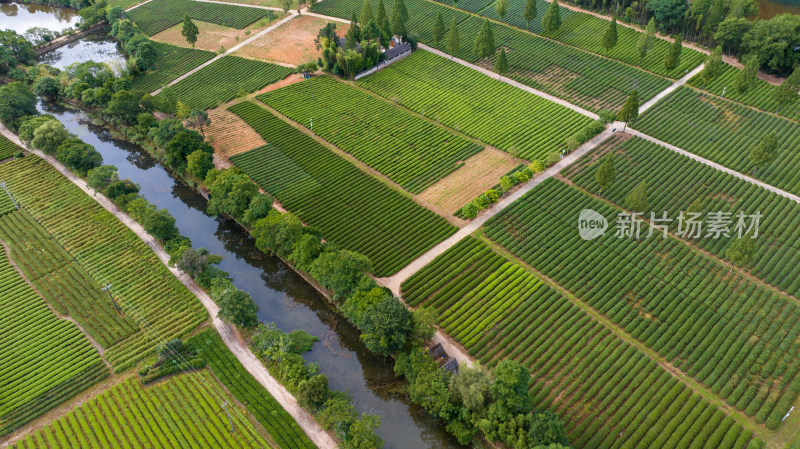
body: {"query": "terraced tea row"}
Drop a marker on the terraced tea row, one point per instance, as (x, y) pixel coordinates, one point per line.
(608, 393)
(407, 149)
(582, 78)
(724, 132)
(158, 15)
(171, 62)
(736, 337)
(677, 182)
(117, 254)
(350, 207)
(225, 79)
(7, 148)
(170, 414)
(489, 110)
(44, 360)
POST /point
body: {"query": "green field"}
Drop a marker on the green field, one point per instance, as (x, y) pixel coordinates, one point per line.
(171, 62)
(760, 96)
(117, 254)
(7, 148)
(44, 360)
(351, 208)
(489, 110)
(158, 15)
(407, 149)
(172, 413)
(225, 79)
(282, 427)
(608, 393)
(735, 336)
(582, 78)
(725, 132)
(681, 181)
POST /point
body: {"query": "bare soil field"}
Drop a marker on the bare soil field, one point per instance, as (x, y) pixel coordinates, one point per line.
(212, 37)
(478, 174)
(230, 135)
(291, 43)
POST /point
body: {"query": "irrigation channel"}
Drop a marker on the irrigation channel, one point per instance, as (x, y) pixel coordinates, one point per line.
(282, 296)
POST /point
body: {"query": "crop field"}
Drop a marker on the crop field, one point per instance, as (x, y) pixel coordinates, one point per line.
(608, 393)
(487, 109)
(44, 360)
(7, 148)
(735, 336)
(172, 413)
(318, 186)
(225, 79)
(280, 425)
(405, 148)
(725, 132)
(777, 260)
(760, 96)
(118, 255)
(170, 63)
(158, 15)
(579, 77)
(586, 31)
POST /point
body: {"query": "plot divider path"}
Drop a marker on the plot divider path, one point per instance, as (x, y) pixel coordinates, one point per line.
(230, 50)
(228, 333)
(671, 88)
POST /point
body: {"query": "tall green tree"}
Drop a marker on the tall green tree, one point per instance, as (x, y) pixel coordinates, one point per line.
(646, 40)
(530, 12)
(765, 151)
(453, 43)
(610, 37)
(551, 21)
(630, 110)
(381, 16)
(637, 200)
(747, 77)
(713, 66)
(484, 42)
(606, 173)
(501, 8)
(189, 31)
(438, 29)
(231, 192)
(398, 18)
(673, 58)
(235, 306)
(787, 92)
(366, 13)
(501, 65)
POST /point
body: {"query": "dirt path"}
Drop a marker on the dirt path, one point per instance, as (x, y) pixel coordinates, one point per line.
(647, 105)
(229, 334)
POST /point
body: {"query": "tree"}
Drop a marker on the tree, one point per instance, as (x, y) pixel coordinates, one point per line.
(501, 65)
(424, 324)
(182, 110)
(610, 37)
(551, 21)
(198, 118)
(193, 262)
(530, 12)
(546, 430)
(747, 77)
(189, 31)
(158, 223)
(773, 42)
(438, 29)
(501, 8)
(381, 16)
(100, 177)
(453, 41)
(350, 62)
(673, 58)
(312, 393)
(29, 124)
(606, 173)
(637, 200)
(48, 136)
(384, 322)
(305, 251)
(235, 306)
(231, 192)
(354, 28)
(630, 110)
(366, 13)
(787, 92)
(185, 142)
(713, 66)
(286, 5)
(16, 101)
(731, 32)
(430, 391)
(668, 13)
(361, 434)
(765, 152)
(260, 206)
(646, 40)
(199, 163)
(340, 271)
(124, 105)
(398, 18)
(47, 87)
(78, 156)
(741, 251)
(484, 42)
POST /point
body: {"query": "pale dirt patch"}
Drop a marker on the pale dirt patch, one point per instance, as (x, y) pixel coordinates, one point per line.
(230, 135)
(212, 37)
(291, 43)
(478, 174)
(269, 3)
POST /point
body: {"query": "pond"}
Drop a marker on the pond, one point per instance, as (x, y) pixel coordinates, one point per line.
(771, 8)
(21, 17)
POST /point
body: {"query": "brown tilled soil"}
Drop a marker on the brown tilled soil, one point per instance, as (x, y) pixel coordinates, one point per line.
(292, 42)
(478, 174)
(212, 37)
(230, 135)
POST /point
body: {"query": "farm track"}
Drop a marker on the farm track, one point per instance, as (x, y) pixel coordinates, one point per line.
(229, 335)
